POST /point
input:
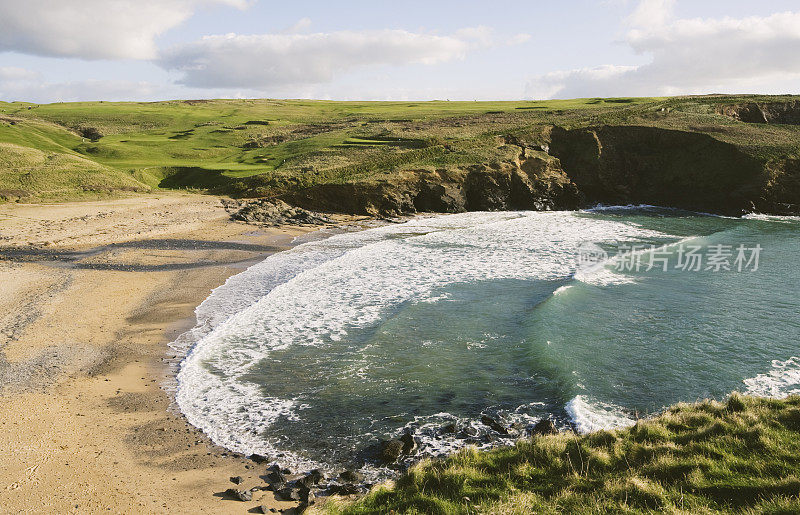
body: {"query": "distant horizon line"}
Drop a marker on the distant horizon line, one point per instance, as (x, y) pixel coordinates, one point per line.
(300, 99)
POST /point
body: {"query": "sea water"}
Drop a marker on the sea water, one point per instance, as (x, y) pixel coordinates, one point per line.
(319, 352)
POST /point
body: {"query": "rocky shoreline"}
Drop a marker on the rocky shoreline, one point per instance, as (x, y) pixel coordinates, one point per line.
(397, 454)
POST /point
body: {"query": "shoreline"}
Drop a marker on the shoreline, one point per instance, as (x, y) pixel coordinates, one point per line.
(93, 293)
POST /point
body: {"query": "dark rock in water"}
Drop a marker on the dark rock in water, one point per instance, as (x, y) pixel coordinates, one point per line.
(449, 429)
(313, 478)
(494, 424)
(258, 458)
(544, 427)
(286, 472)
(351, 476)
(242, 495)
(391, 450)
(237, 480)
(409, 444)
(468, 432)
(318, 476)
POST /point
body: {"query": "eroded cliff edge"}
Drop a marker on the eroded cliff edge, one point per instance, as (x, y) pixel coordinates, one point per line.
(567, 168)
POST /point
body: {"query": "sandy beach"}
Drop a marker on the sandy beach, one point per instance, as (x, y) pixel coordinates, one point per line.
(90, 295)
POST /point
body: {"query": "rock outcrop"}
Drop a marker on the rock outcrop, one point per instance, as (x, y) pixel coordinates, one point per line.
(535, 181)
(764, 112)
(273, 212)
(782, 189)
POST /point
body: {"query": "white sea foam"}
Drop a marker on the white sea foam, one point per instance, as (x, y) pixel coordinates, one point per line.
(316, 292)
(772, 218)
(783, 380)
(562, 289)
(603, 276)
(599, 208)
(591, 416)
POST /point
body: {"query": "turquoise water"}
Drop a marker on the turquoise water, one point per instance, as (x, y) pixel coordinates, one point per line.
(317, 353)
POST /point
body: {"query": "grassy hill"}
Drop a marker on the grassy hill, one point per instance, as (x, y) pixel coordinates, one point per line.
(742, 456)
(271, 147)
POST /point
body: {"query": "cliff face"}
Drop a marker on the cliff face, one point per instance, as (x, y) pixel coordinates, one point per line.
(575, 168)
(782, 190)
(647, 165)
(534, 181)
(766, 112)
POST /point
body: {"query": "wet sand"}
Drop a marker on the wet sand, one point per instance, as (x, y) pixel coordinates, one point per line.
(90, 295)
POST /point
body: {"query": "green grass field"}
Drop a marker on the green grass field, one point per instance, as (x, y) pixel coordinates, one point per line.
(742, 456)
(265, 147)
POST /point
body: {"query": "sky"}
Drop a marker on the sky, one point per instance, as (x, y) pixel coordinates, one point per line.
(74, 50)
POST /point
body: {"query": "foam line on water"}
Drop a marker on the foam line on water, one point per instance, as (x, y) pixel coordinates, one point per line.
(779, 382)
(772, 218)
(589, 416)
(648, 208)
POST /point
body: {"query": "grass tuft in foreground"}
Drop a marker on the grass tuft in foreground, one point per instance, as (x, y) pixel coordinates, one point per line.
(738, 456)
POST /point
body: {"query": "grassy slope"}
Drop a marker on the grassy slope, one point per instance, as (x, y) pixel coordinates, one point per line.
(214, 144)
(741, 456)
(264, 147)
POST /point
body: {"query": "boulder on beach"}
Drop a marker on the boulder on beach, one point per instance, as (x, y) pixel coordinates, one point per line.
(258, 458)
(288, 494)
(241, 495)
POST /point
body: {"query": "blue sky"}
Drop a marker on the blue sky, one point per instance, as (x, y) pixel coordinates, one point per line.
(64, 50)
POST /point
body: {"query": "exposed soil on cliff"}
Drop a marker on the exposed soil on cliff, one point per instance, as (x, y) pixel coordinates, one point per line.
(765, 112)
(534, 181)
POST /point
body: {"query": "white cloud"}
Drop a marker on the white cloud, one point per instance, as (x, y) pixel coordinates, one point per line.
(93, 29)
(27, 85)
(722, 55)
(651, 13)
(15, 74)
(602, 81)
(273, 60)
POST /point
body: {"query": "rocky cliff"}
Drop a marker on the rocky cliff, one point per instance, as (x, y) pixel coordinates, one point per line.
(764, 112)
(533, 181)
(567, 169)
(649, 165)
